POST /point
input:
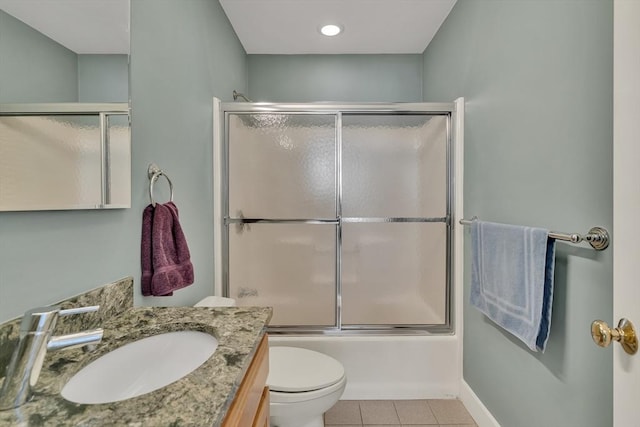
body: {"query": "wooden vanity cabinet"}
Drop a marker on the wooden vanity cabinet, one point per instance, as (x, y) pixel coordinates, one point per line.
(250, 408)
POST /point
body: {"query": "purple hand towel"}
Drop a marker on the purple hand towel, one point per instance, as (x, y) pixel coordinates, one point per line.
(146, 252)
(168, 254)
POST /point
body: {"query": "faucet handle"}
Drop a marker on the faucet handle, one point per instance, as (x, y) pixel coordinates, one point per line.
(43, 319)
(79, 310)
(39, 319)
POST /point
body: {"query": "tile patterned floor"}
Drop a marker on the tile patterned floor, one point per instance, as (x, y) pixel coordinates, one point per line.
(414, 413)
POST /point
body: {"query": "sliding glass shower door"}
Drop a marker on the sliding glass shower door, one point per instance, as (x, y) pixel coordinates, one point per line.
(337, 216)
(394, 211)
(282, 209)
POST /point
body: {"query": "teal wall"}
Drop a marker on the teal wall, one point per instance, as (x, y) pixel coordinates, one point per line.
(182, 54)
(344, 78)
(537, 79)
(34, 68)
(103, 78)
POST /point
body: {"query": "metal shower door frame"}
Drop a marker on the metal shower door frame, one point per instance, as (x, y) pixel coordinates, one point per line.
(436, 109)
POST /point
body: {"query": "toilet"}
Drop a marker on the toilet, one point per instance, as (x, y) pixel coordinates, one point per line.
(303, 384)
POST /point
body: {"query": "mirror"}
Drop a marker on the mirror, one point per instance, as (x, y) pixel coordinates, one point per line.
(64, 98)
(64, 51)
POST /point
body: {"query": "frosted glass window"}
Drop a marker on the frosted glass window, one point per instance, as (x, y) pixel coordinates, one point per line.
(54, 162)
(394, 273)
(290, 267)
(282, 166)
(394, 166)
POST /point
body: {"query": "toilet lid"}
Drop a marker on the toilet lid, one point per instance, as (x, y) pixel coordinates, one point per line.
(293, 369)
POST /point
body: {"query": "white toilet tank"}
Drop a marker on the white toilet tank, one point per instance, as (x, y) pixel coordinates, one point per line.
(215, 301)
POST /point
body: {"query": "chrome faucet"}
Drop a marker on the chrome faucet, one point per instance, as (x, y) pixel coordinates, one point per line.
(36, 337)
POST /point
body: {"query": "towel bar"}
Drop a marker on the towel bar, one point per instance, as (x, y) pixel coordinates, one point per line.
(154, 172)
(597, 237)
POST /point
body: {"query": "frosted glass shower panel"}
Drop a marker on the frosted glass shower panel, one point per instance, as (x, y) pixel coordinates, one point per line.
(290, 267)
(394, 165)
(55, 162)
(282, 165)
(394, 273)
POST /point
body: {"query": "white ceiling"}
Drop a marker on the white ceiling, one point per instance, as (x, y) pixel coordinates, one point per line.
(370, 26)
(83, 26)
(263, 26)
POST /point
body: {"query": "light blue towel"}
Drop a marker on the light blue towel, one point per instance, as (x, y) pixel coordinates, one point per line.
(512, 278)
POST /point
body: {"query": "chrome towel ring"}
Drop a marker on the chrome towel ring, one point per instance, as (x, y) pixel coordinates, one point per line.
(154, 172)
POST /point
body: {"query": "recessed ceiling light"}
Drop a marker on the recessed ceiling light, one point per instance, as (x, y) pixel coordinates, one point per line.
(330, 30)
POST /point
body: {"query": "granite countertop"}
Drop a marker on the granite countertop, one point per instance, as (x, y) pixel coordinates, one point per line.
(201, 398)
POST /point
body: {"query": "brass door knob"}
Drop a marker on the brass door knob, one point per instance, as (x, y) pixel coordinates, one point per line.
(625, 334)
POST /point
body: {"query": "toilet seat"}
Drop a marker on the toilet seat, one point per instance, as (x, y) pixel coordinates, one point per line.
(294, 370)
(279, 397)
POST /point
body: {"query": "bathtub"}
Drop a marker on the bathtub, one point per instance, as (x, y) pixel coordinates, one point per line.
(390, 366)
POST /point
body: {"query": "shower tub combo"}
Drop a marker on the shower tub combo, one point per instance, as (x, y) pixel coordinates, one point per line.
(342, 218)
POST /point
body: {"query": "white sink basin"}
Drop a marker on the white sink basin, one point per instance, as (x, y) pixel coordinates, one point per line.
(140, 367)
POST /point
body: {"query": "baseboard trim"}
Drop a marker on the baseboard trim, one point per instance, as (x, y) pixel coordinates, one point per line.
(476, 408)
